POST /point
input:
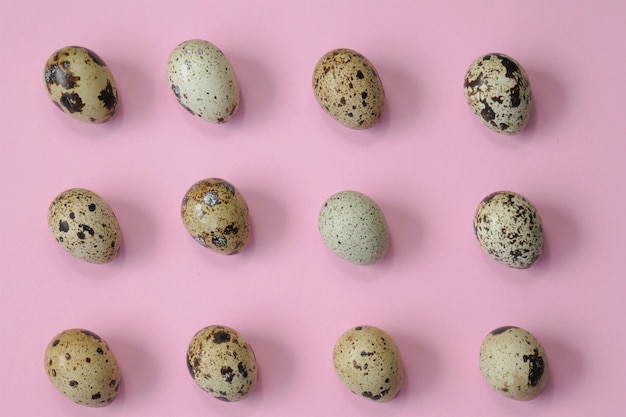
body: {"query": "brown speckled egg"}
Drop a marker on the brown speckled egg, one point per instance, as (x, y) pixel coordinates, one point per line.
(82, 367)
(81, 85)
(216, 216)
(354, 228)
(498, 92)
(85, 226)
(203, 81)
(514, 363)
(222, 363)
(348, 88)
(368, 362)
(509, 229)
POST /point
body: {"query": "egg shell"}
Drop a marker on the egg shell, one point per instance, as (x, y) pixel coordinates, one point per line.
(83, 368)
(203, 81)
(514, 363)
(216, 215)
(368, 362)
(509, 229)
(348, 88)
(81, 85)
(497, 90)
(85, 226)
(354, 228)
(222, 363)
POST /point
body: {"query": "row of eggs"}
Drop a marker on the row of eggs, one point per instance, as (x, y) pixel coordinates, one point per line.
(81, 365)
(351, 224)
(345, 84)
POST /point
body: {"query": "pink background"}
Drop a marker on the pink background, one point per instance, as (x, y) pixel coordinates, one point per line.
(428, 164)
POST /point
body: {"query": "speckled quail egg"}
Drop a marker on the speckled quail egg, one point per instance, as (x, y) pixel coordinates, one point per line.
(514, 363)
(81, 85)
(498, 92)
(216, 215)
(222, 363)
(509, 229)
(203, 81)
(354, 228)
(82, 367)
(85, 226)
(348, 88)
(368, 362)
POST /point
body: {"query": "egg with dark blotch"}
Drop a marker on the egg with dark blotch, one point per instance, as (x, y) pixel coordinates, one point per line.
(216, 215)
(368, 362)
(81, 85)
(354, 228)
(82, 367)
(497, 90)
(514, 363)
(509, 229)
(203, 81)
(222, 363)
(348, 88)
(85, 226)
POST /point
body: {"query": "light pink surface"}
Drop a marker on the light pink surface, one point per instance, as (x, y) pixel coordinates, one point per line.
(428, 164)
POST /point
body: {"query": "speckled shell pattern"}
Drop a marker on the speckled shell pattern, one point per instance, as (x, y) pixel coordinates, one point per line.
(368, 362)
(348, 88)
(354, 228)
(497, 90)
(203, 81)
(514, 363)
(509, 229)
(222, 363)
(83, 368)
(216, 215)
(81, 85)
(85, 226)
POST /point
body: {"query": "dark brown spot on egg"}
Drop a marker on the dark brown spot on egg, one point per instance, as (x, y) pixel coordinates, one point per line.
(501, 330)
(63, 227)
(107, 97)
(487, 113)
(72, 102)
(221, 337)
(537, 367)
(95, 57)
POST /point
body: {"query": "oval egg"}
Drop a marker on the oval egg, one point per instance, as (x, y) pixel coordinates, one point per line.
(368, 362)
(216, 215)
(514, 363)
(83, 368)
(497, 90)
(85, 226)
(203, 81)
(81, 85)
(354, 228)
(222, 363)
(509, 229)
(348, 88)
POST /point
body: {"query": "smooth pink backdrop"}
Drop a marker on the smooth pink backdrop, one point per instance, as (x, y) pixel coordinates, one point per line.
(428, 164)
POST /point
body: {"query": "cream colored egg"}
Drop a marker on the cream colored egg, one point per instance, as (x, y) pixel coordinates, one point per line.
(354, 228)
(497, 90)
(514, 363)
(82, 367)
(368, 362)
(216, 215)
(85, 226)
(222, 363)
(203, 81)
(509, 229)
(348, 88)
(81, 85)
